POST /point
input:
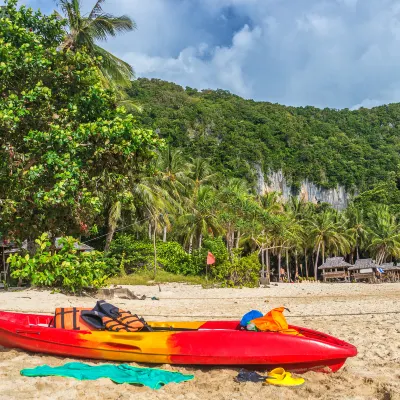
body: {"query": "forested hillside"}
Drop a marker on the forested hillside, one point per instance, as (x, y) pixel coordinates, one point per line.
(356, 149)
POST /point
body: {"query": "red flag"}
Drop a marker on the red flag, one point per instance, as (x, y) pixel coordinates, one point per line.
(210, 258)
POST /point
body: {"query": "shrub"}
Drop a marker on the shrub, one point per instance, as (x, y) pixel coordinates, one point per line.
(243, 271)
(66, 269)
(136, 255)
(218, 248)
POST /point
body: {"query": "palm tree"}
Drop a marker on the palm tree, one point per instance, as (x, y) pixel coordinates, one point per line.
(173, 172)
(201, 172)
(83, 31)
(384, 233)
(235, 204)
(199, 219)
(357, 227)
(114, 217)
(327, 233)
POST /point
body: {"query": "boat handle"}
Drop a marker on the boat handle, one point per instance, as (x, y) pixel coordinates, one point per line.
(31, 332)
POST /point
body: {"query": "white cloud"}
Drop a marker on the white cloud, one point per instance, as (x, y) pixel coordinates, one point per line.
(337, 53)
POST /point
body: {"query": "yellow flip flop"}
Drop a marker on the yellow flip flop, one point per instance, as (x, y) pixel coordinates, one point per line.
(279, 377)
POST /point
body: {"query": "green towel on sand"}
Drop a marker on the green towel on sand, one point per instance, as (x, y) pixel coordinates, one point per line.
(123, 373)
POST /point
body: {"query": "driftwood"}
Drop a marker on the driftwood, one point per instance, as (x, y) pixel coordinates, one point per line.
(118, 293)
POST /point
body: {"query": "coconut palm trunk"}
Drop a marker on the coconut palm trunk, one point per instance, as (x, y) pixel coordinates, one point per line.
(316, 261)
(155, 248)
(237, 239)
(190, 244)
(306, 262)
(287, 265)
(279, 264)
(114, 216)
(262, 263)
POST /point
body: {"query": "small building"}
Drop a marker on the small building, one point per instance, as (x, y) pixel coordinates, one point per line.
(335, 268)
(364, 270)
(391, 273)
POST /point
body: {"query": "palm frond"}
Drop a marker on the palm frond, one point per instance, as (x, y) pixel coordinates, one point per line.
(107, 25)
(96, 10)
(114, 68)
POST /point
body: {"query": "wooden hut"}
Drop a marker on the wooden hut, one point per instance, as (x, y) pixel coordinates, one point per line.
(364, 270)
(391, 273)
(335, 268)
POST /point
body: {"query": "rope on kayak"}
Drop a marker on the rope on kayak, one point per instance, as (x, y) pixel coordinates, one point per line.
(227, 316)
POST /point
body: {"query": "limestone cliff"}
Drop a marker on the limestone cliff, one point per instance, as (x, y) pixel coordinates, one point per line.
(338, 197)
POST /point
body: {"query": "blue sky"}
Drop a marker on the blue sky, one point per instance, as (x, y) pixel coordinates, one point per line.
(326, 53)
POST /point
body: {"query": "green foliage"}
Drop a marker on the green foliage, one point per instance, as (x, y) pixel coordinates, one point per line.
(66, 150)
(328, 147)
(386, 193)
(66, 269)
(137, 255)
(84, 29)
(242, 271)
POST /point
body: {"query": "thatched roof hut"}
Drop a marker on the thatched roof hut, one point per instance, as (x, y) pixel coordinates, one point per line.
(335, 262)
(365, 263)
(389, 267)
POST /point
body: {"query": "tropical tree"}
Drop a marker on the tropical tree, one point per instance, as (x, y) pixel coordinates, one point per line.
(327, 232)
(384, 234)
(65, 147)
(83, 31)
(357, 227)
(200, 217)
(201, 172)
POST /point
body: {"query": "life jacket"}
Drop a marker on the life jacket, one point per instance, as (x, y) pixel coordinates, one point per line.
(111, 318)
(71, 318)
(274, 321)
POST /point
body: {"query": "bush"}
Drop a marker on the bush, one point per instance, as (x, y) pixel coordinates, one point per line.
(218, 248)
(136, 255)
(243, 271)
(66, 269)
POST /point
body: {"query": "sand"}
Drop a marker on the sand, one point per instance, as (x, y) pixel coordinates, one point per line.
(331, 308)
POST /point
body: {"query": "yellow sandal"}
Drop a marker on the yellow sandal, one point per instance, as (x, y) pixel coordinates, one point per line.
(279, 377)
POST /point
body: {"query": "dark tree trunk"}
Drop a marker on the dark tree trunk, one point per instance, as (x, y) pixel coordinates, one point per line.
(306, 262)
(287, 265)
(279, 264)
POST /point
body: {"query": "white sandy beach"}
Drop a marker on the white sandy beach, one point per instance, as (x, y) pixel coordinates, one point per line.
(331, 308)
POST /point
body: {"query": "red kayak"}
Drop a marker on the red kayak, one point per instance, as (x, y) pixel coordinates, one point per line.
(189, 343)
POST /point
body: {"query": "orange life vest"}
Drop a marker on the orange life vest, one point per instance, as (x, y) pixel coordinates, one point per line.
(71, 318)
(274, 321)
(125, 322)
(111, 318)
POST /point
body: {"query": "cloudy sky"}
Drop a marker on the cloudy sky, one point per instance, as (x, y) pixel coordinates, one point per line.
(327, 53)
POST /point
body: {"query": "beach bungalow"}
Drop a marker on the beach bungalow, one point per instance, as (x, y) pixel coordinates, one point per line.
(364, 270)
(391, 272)
(335, 268)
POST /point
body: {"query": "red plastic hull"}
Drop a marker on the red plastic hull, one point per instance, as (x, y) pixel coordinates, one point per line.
(214, 343)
